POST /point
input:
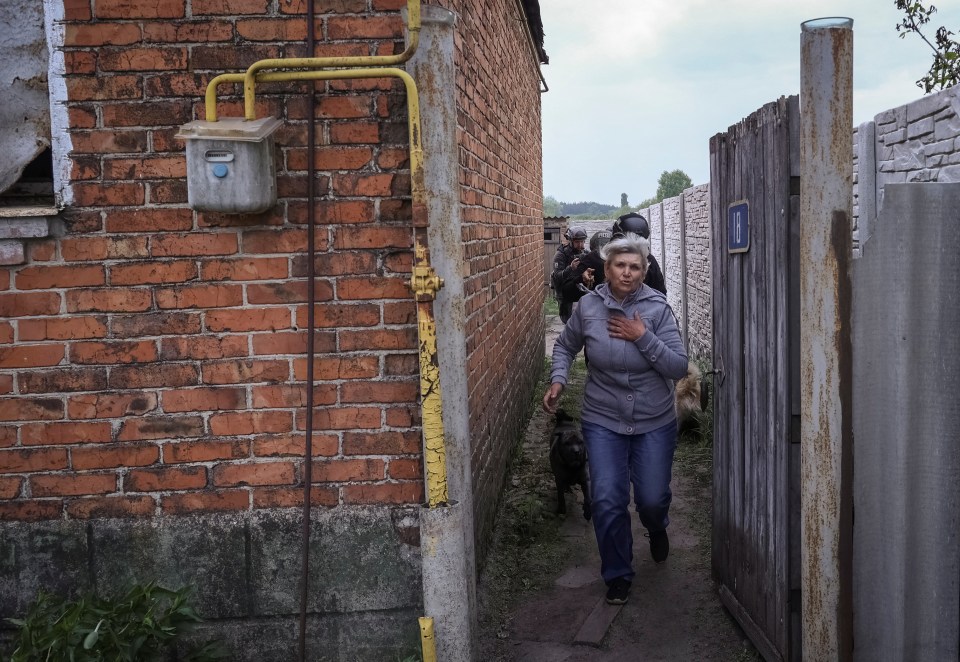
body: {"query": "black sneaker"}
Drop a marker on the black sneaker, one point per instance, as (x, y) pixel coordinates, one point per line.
(618, 591)
(659, 545)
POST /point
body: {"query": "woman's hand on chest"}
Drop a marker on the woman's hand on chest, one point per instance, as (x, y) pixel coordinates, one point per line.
(625, 328)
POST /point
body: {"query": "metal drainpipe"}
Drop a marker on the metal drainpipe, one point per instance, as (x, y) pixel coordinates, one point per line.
(311, 336)
(826, 436)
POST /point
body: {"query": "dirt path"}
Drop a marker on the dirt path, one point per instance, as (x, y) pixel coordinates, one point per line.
(540, 587)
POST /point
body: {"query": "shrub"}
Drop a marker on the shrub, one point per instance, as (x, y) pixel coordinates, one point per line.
(142, 625)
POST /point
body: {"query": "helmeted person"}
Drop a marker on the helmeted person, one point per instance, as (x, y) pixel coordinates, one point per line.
(637, 224)
(589, 272)
(566, 260)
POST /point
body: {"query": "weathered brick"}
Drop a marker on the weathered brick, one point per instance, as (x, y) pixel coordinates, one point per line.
(160, 427)
(291, 497)
(85, 249)
(401, 365)
(9, 486)
(269, 344)
(344, 418)
(245, 371)
(382, 339)
(272, 29)
(205, 451)
(80, 63)
(116, 506)
(169, 58)
(165, 478)
(107, 300)
(265, 242)
(170, 375)
(63, 380)
(153, 272)
(206, 31)
(204, 347)
(329, 6)
(373, 288)
(203, 399)
(331, 158)
(386, 442)
(110, 457)
(50, 277)
(357, 133)
(110, 405)
(155, 324)
(250, 422)
(366, 392)
(364, 27)
(62, 433)
(383, 493)
(30, 409)
(338, 264)
(379, 237)
(76, 10)
(152, 167)
(23, 304)
(405, 469)
(108, 194)
(32, 510)
(403, 312)
(292, 395)
(133, 9)
(205, 502)
(340, 367)
(199, 296)
(146, 113)
(260, 473)
(102, 88)
(348, 471)
(72, 484)
(31, 356)
(207, 243)
(148, 220)
(287, 292)
(336, 315)
(256, 319)
(245, 268)
(229, 7)
(116, 352)
(31, 460)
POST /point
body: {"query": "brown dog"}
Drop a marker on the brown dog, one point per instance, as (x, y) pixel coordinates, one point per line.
(688, 399)
(568, 461)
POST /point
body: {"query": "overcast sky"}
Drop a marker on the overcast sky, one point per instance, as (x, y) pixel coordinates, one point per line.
(639, 86)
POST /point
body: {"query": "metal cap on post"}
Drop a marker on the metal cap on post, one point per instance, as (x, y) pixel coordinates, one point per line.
(826, 200)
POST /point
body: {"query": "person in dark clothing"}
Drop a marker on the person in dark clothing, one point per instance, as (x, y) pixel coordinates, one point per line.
(589, 271)
(637, 224)
(565, 262)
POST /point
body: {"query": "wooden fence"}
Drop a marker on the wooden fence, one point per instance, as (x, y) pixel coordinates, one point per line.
(754, 204)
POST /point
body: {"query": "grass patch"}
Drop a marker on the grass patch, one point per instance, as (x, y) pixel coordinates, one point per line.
(527, 552)
(550, 305)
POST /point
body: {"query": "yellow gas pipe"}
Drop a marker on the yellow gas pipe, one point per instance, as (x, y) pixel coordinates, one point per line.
(424, 281)
(251, 77)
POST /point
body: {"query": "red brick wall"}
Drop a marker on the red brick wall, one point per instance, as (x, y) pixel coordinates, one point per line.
(152, 358)
(502, 196)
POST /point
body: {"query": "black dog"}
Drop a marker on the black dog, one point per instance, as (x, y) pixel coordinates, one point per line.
(568, 460)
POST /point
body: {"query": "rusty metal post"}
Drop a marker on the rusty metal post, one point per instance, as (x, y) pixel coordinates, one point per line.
(826, 438)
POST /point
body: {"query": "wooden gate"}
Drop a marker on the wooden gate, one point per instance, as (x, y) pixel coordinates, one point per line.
(755, 203)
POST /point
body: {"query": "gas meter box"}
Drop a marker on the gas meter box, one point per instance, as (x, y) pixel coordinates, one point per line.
(230, 165)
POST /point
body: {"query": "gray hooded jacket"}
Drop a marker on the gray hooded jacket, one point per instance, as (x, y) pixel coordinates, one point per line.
(629, 387)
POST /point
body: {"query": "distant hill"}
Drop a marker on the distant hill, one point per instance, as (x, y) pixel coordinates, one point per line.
(594, 209)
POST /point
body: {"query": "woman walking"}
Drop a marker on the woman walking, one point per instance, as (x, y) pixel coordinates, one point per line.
(635, 352)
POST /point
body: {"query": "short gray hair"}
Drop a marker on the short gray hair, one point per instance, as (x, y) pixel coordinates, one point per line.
(628, 243)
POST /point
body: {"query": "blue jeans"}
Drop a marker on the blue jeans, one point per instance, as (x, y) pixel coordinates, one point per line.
(616, 461)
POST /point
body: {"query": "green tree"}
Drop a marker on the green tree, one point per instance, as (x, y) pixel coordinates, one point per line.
(945, 70)
(623, 201)
(672, 184)
(551, 206)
